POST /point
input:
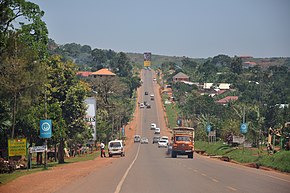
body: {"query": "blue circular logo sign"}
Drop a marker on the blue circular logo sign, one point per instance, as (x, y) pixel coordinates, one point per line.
(244, 128)
(45, 126)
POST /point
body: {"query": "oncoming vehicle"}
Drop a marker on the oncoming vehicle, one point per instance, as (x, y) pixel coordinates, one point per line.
(116, 147)
(153, 126)
(182, 142)
(137, 138)
(164, 138)
(144, 140)
(156, 139)
(162, 143)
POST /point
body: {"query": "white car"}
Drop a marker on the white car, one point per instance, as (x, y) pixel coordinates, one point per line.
(142, 105)
(164, 138)
(116, 147)
(162, 143)
(144, 140)
(137, 138)
(153, 126)
(157, 130)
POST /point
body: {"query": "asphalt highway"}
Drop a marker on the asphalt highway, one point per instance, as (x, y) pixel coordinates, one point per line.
(147, 168)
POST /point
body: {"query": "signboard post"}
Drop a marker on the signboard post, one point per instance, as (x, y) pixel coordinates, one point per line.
(147, 59)
(45, 132)
(244, 130)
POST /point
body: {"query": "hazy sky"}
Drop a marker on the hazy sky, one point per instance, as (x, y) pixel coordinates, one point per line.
(192, 28)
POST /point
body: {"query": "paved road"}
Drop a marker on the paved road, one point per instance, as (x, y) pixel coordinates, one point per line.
(147, 168)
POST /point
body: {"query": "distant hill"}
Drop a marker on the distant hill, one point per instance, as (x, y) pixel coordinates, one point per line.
(83, 56)
(157, 60)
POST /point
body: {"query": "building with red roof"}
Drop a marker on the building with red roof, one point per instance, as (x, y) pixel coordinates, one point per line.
(227, 99)
(84, 73)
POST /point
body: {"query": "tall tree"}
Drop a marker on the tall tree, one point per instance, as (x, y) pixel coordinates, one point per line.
(20, 73)
(236, 65)
(25, 18)
(66, 90)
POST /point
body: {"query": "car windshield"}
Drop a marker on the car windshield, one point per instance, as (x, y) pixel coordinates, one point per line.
(182, 138)
(115, 144)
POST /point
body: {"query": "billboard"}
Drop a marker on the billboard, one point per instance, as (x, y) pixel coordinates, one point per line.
(147, 59)
(17, 147)
(91, 115)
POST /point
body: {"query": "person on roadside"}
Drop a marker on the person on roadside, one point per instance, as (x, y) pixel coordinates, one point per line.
(103, 154)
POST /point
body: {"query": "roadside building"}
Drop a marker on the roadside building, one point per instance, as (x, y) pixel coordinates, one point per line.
(104, 72)
(84, 73)
(179, 77)
(227, 100)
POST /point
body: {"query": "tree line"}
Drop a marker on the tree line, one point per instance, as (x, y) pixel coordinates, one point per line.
(263, 92)
(38, 81)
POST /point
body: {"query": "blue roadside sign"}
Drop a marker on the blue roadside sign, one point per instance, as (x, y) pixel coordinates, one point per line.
(45, 128)
(244, 128)
(208, 128)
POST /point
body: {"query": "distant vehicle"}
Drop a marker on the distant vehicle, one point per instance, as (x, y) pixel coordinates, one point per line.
(183, 142)
(156, 139)
(154, 79)
(137, 138)
(142, 105)
(116, 147)
(148, 106)
(162, 143)
(146, 93)
(152, 97)
(157, 130)
(164, 138)
(144, 140)
(153, 126)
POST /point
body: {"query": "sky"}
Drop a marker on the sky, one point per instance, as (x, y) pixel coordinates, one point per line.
(191, 28)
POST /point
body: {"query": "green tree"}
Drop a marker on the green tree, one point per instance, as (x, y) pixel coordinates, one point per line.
(65, 90)
(236, 65)
(25, 18)
(121, 65)
(20, 76)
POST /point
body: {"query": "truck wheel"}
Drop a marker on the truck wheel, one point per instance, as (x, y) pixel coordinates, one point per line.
(190, 155)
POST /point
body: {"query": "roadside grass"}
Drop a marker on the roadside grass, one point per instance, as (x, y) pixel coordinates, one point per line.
(5, 178)
(171, 115)
(171, 112)
(279, 161)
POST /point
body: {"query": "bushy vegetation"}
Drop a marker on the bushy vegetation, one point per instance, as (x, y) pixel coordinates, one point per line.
(260, 91)
(279, 160)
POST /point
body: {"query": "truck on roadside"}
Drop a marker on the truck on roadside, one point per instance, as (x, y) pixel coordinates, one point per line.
(182, 141)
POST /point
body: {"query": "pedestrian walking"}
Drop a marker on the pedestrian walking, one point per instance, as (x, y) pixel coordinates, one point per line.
(103, 154)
